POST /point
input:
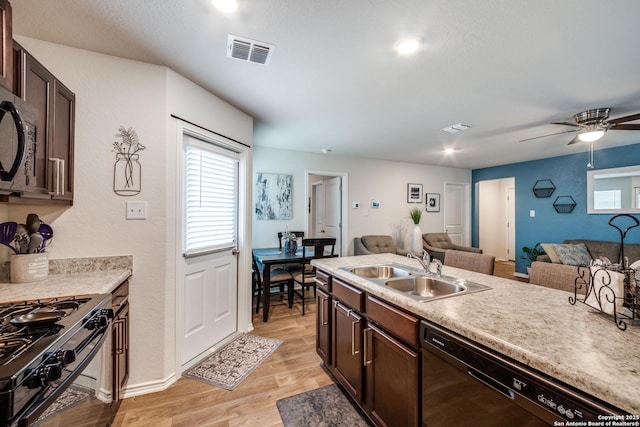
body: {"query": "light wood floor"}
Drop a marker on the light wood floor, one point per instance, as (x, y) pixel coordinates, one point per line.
(293, 368)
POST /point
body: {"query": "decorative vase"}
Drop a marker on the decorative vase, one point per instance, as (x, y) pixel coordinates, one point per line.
(127, 175)
(416, 240)
(291, 246)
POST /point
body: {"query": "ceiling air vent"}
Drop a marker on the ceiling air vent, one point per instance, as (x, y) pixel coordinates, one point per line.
(249, 50)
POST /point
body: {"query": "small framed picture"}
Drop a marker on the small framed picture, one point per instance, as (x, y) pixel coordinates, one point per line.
(433, 202)
(414, 193)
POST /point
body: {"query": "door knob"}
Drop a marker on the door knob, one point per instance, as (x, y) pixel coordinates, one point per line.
(234, 251)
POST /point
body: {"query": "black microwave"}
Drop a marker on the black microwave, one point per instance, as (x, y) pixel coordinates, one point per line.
(18, 144)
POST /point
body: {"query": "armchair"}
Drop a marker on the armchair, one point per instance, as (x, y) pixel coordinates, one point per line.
(437, 243)
(373, 244)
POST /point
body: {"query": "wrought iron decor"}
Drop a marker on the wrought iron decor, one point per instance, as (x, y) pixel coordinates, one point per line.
(127, 171)
(564, 204)
(543, 188)
(603, 291)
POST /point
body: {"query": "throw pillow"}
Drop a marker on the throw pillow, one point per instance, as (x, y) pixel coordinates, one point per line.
(573, 254)
(548, 248)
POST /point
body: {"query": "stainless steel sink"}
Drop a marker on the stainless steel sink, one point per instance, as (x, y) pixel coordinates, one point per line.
(414, 283)
(381, 272)
(425, 286)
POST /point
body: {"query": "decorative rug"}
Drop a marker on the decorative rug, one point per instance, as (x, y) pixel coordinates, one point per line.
(230, 365)
(323, 407)
(69, 398)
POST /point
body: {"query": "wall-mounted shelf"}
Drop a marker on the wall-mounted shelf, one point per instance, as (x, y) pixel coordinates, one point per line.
(564, 204)
(543, 188)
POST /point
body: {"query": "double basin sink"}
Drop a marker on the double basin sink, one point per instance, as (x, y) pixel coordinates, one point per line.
(415, 283)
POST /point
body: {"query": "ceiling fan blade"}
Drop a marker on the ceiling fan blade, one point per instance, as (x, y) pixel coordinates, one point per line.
(575, 140)
(630, 118)
(551, 134)
(565, 123)
(626, 127)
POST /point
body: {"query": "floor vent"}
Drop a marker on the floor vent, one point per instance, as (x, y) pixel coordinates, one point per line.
(249, 50)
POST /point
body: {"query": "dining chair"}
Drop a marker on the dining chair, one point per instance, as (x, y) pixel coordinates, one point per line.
(299, 234)
(278, 278)
(305, 279)
(470, 261)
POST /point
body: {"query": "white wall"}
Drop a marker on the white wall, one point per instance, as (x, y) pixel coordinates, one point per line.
(113, 92)
(382, 180)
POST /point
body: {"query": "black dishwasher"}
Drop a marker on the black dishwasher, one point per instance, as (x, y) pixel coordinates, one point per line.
(465, 384)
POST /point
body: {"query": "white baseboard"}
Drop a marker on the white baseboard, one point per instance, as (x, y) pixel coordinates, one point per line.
(523, 275)
(133, 390)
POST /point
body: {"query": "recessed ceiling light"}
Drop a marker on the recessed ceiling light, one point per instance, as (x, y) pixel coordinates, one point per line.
(449, 150)
(225, 6)
(408, 46)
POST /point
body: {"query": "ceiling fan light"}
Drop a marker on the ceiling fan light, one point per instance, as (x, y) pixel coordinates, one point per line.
(591, 136)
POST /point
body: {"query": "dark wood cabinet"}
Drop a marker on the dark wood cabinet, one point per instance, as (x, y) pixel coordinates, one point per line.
(120, 340)
(53, 154)
(61, 145)
(374, 349)
(323, 325)
(6, 46)
(346, 363)
(392, 380)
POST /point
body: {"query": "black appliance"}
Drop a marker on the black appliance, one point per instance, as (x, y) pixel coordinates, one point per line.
(45, 348)
(18, 145)
(466, 384)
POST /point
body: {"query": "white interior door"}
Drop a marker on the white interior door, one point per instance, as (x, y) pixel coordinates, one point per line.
(455, 212)
(318, 209)
(210, 231)
(511, 223)
(333, 208)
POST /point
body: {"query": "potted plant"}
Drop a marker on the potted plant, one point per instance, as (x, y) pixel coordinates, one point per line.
(416, 235)
(530, 254)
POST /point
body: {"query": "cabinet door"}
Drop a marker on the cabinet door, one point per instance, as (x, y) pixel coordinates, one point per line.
(120, 347)
(6, 45)
(323, 326)
(61, 146)
(392, 376)
(347, 348)
(36, 89)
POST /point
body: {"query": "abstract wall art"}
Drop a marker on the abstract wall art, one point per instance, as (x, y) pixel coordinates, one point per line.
(273, 196)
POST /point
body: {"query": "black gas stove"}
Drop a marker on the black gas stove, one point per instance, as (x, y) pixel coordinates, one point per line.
(44, 345)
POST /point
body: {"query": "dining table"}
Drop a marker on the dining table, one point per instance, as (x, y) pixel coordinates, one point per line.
(267, 258)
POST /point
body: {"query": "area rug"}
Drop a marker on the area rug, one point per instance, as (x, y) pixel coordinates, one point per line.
(230, 365)
(323, 407)
(69, 398)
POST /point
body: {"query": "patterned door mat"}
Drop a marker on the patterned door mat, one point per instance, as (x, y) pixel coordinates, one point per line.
(323, 407)
(69, 398)
(230, 365)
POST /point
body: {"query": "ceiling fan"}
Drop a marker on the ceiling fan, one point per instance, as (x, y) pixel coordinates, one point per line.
(592, 124)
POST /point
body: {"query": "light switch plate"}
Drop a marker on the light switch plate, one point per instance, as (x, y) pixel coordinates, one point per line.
(136, 210)
(532, 213)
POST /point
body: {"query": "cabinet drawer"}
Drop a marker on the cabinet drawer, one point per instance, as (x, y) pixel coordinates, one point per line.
(323, 281)
(398, 323)
(349, 295)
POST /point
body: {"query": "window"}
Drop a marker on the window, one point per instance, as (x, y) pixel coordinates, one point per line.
(211, 197)
(607, 199)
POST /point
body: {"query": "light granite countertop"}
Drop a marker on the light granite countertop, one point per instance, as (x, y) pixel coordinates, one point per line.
(72, 277)
(534, 325)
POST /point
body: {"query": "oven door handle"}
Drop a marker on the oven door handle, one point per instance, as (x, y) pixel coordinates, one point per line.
(39, 406)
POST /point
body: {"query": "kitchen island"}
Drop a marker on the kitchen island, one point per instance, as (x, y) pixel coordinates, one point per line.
(533, 325)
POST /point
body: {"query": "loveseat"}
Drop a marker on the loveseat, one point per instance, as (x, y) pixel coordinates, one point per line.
(548, 270)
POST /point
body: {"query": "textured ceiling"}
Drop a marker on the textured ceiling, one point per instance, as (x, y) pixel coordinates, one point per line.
(505, 67)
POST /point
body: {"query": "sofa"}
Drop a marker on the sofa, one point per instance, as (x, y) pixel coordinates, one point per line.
(547, 270)
(376, 244)
(437, 243)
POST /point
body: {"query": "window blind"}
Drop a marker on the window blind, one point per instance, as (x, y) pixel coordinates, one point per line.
(211, 198)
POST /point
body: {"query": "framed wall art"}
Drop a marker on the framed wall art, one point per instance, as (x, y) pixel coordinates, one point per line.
(273, 196)
(433, 202)
(414, 193)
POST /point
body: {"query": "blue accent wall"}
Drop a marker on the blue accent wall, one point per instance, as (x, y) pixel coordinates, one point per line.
(569, 175)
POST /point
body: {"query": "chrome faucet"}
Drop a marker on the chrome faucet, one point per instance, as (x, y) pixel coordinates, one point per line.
(425, 261)
(438, 267)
